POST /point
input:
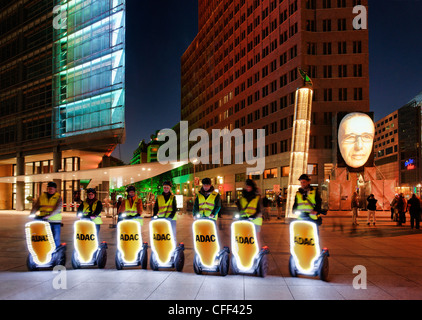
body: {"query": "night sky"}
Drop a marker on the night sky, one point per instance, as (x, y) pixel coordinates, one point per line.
(159, 32)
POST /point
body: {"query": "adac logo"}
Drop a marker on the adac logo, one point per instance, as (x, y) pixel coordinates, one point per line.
(305, 241)
(42, 238)
(161, 237)
(245, 240)
(85, 237)
(127, 237)
(207, 238)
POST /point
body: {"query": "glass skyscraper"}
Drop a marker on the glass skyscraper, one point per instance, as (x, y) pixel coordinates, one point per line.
(62, 91)
(89, 68)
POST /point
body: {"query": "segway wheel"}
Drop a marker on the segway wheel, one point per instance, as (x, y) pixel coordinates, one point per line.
(196, 267)
(61, 259)
(75, 262)
(179, 261)
(102, 258)
(263, 267)
(118, 262)
(30, 263)
(292, 267)
(144, 258)
(153, 263)
(323, 269)
(224, 264)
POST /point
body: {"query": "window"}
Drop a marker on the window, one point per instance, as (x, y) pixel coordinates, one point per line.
(312, 169)
(270, 173)
(285, 171)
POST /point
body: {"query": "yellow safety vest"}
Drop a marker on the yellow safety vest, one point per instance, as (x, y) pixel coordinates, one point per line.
(307, 206)
(165, 208)
(249, 209)
(133, 210)
(85, 211)
(47, 206)
(206, 206)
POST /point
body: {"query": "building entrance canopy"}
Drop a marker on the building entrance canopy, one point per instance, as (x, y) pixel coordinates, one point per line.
(116, 176)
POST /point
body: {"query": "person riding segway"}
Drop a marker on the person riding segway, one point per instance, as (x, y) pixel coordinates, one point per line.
(131, 208)
(164, 251)
(50, 205)
(245, 233)
(91, 208)
(43, 234)
(207, 202)
(208, 256)
(131, 250)
(306, 256)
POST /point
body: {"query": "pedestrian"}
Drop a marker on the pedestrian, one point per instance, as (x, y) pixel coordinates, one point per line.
(208, 201)
(401, 208)
(131, 208)
(414, 206)
(91, 208)
(50, 205)
(118, 203)
(250, 205)
(372, 207)
(393, 208)
(267, 208)
(165, 206)
(279, 202)
(355, 208)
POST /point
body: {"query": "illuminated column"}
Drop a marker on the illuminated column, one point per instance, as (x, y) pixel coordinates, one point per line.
(300, 144)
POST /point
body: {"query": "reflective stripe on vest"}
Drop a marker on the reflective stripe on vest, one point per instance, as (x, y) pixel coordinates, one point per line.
(165, 208)
(47, 206)
(86, 211)
(307, 206)
(206, 206)
(249, 209)
(133, 210)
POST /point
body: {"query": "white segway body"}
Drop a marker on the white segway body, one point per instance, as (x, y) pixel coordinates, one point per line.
(87, 250)
(164, 251)
(208, 256)
(131, 251)
(307, 258)
(43, 253)
(247, 257)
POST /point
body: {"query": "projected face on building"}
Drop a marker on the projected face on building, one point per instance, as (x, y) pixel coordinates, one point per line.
(356, 137)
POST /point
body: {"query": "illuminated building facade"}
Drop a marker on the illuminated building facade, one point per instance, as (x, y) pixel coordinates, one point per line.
(398, 146)
(241, 71)
(62, 91)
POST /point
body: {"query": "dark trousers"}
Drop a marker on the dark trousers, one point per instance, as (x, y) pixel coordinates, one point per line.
(415, 220)
(56, 230)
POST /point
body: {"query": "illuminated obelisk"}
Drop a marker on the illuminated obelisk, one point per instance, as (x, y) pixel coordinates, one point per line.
(300, 140)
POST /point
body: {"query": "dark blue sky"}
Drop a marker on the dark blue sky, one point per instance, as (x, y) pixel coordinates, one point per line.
(158, 32)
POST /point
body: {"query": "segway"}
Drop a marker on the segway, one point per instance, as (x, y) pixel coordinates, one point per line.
(43, 253)
(164, 252)
(247, 257)
(306, 256)
(208, 256)
(131, 251)
(87, 250)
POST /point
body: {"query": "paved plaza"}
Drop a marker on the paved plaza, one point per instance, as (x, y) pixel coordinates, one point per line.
(391, 256)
